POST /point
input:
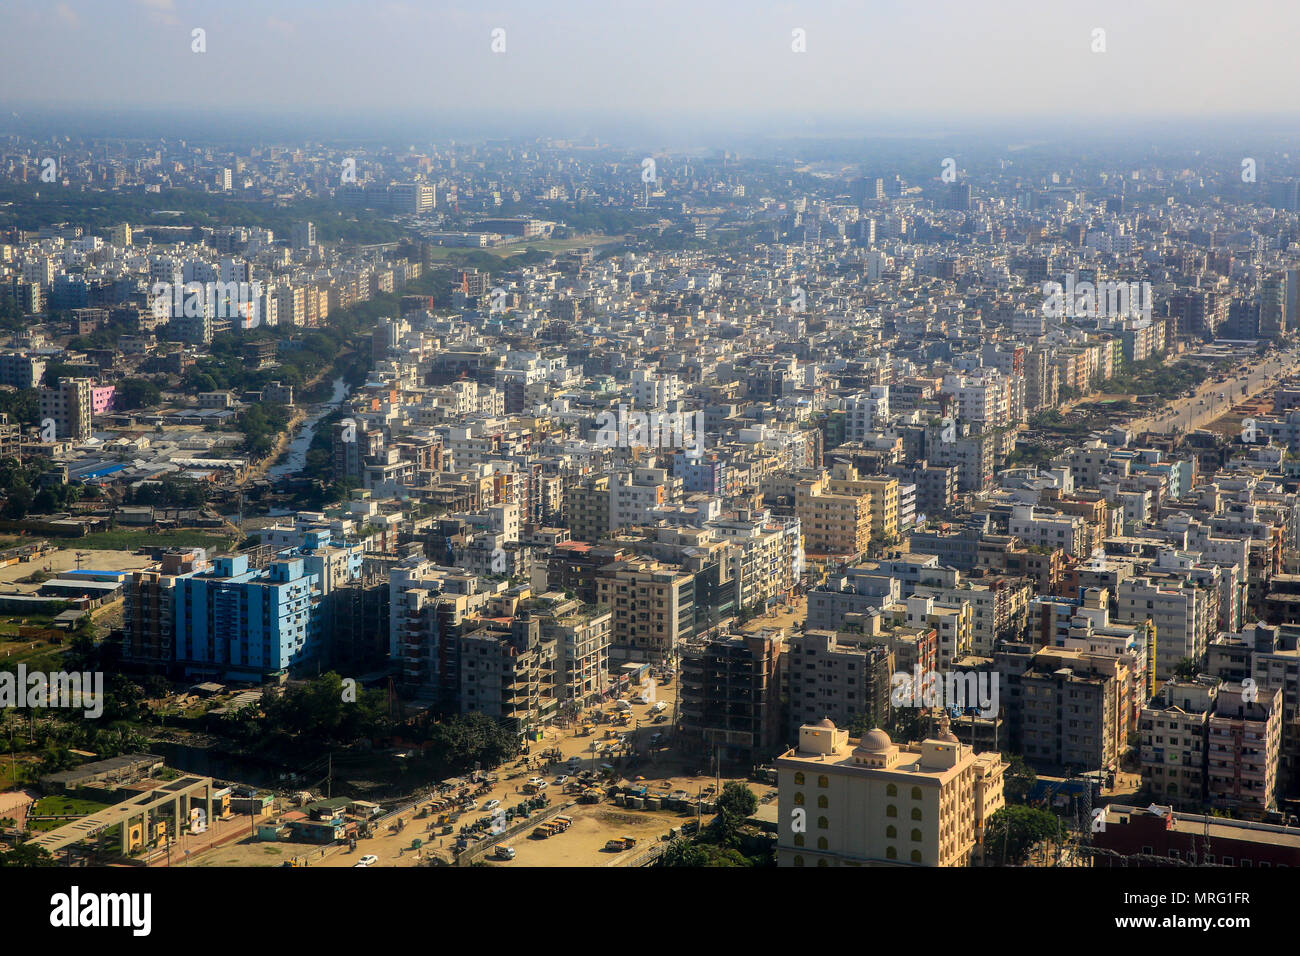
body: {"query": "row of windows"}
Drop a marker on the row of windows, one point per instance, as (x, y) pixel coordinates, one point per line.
(890, 853)
(891, 833)
(823, 781)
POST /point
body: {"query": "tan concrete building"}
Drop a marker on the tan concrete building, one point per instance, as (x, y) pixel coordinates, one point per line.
(653, 608)
(1244, 747)
(587, 508)
(833, 524)
(884, 497)
(1174, 725)
(876, 803)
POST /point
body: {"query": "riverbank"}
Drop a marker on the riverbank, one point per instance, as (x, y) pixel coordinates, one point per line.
(259, 469)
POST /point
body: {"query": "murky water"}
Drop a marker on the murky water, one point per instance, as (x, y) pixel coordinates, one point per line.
(296, 455)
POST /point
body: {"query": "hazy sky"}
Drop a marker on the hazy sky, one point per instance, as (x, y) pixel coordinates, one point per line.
(954, 59)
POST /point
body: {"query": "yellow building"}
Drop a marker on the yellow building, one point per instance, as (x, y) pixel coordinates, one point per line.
(832, 524)
(884, 497)
(881, 804)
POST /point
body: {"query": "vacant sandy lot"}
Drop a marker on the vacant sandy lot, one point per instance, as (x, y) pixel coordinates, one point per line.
(583, 844)
(251, 852)
(65, 559)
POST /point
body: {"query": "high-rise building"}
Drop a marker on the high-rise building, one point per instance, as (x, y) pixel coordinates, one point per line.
(653, 606)
(304, 235)
(730, 697)
(827, 675)
(1274, 320)
(69, 405)
(236, 622)
(1244, 748)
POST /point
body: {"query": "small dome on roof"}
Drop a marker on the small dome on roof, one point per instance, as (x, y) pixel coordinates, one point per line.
(825, 724)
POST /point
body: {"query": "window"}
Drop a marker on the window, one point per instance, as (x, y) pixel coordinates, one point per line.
(823, 823)
(823, 781)
(822, 802)
(891, 853)
(822, 844)
(798, 839)
(891, 790)
(798, 799)
(798, 861)
(916, 793)
(916, 856)
(916, 835)
(798, 779)
(891, 832)
(891, 811)
(916, 813)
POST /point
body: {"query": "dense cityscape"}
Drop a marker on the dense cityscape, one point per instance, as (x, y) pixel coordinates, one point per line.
(772, 501)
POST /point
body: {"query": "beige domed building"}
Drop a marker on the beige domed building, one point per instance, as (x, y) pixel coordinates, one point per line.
(877, 803)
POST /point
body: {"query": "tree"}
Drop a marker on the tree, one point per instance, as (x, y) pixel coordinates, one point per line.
(1013, 831)
(736, 804)
(460, 741)
(1186, 669)
(136, 393)
(685, 853)
(26, 855)
(1019, 780)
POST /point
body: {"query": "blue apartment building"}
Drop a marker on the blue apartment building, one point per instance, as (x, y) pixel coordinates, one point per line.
(238, 623)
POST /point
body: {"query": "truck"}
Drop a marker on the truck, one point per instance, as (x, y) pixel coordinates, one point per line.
(551, 827)
(621, 844)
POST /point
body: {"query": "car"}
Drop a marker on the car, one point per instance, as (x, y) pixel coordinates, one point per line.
(660, 719)
(538, 782)
(504, 853)
(368, 860)
(491, 804)
(471, 806)
(562, 779)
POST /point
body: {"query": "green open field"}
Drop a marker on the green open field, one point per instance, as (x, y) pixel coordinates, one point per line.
(134, 540)
(21, 766)
(37, 653)
(65, 805)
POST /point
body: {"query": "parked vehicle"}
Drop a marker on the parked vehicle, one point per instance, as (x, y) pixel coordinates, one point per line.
(621, 844)
(368, 860)
(491, 805)
(504, 853)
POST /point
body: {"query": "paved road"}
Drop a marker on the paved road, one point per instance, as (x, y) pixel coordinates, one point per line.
(1215, 399)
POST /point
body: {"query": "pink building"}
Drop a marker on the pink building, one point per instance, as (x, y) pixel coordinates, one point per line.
(101, 398)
